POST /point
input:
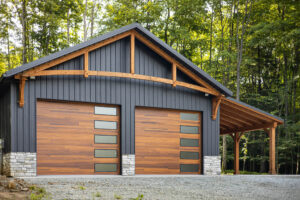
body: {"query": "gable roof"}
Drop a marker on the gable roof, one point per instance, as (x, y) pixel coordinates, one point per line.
(183, 60)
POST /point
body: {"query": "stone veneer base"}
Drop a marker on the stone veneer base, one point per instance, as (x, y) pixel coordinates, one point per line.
(128, 165)
(19, 164)
(212, 165)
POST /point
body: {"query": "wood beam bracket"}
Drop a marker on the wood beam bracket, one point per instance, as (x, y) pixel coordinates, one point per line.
(22, 81)
(216, 101)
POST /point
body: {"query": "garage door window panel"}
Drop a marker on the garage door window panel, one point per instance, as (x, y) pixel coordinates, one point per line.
(184, 142)
(105, 110)
(106, 125)
(189, 155)
(189, 167)
(106, 167)
(106, 153)
(189, 116)
(189, 129)
(105, 139)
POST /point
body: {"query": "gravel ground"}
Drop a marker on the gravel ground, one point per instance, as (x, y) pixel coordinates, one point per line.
(170, 187)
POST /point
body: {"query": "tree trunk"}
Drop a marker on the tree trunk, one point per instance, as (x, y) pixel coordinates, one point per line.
(224, 162)
(262, 161)
(68, 27)
(92, 18)
(167, 26)
(297, 60)
(211, 33)
(84, 22)
(240, 44)
(222, 45)
(230, 43)
(24, 31)
(8, 51)
(201, 56)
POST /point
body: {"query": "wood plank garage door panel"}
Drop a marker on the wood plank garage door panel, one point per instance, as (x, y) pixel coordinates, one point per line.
(65, 138)
(157, 141)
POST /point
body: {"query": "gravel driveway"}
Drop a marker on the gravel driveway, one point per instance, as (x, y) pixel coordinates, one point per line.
(170, 187)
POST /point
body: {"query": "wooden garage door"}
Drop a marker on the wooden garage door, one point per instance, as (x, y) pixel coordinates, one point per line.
(167, 141)
(77, 138)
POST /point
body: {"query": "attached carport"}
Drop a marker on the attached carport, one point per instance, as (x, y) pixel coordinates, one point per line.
(236, 118)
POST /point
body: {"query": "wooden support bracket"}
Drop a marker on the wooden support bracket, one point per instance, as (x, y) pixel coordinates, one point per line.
(86, 64)
(216, 101)
(174, 74)
(22, 81)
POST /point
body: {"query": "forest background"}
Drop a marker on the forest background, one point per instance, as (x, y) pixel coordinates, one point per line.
(250, 46)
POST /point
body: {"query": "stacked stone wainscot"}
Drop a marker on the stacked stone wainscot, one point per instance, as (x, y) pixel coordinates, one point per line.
(128, 165)
(19, 164)
(212, 165)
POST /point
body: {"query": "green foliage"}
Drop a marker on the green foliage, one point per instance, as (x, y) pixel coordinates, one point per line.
(82, 187)
(231, 172)
(139, 197)
(38, 193)
(118, 196)
(98, 194)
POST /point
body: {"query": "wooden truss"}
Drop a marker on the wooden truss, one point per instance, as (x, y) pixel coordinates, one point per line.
(41, 70)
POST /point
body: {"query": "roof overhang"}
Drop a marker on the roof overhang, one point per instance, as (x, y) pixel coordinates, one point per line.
(236, 116)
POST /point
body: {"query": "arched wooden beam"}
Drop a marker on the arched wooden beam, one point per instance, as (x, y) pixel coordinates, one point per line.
(123, 75)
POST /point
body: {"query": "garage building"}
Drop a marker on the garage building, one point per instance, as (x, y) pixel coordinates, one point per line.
(122, 103)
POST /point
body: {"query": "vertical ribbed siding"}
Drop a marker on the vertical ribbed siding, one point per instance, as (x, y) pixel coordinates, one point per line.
(124, 92)
(5, 126)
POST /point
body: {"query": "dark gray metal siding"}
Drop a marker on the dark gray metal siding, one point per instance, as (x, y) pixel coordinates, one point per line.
(5, 126)
(124, 92)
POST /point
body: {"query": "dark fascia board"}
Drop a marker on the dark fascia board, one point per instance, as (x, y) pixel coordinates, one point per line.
(187, 63)
(254, 108)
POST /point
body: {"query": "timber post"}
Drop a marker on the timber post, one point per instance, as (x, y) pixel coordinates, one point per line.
(272, 136)
(236, 138)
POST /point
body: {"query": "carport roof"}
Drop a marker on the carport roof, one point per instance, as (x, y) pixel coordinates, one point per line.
(237, 116)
